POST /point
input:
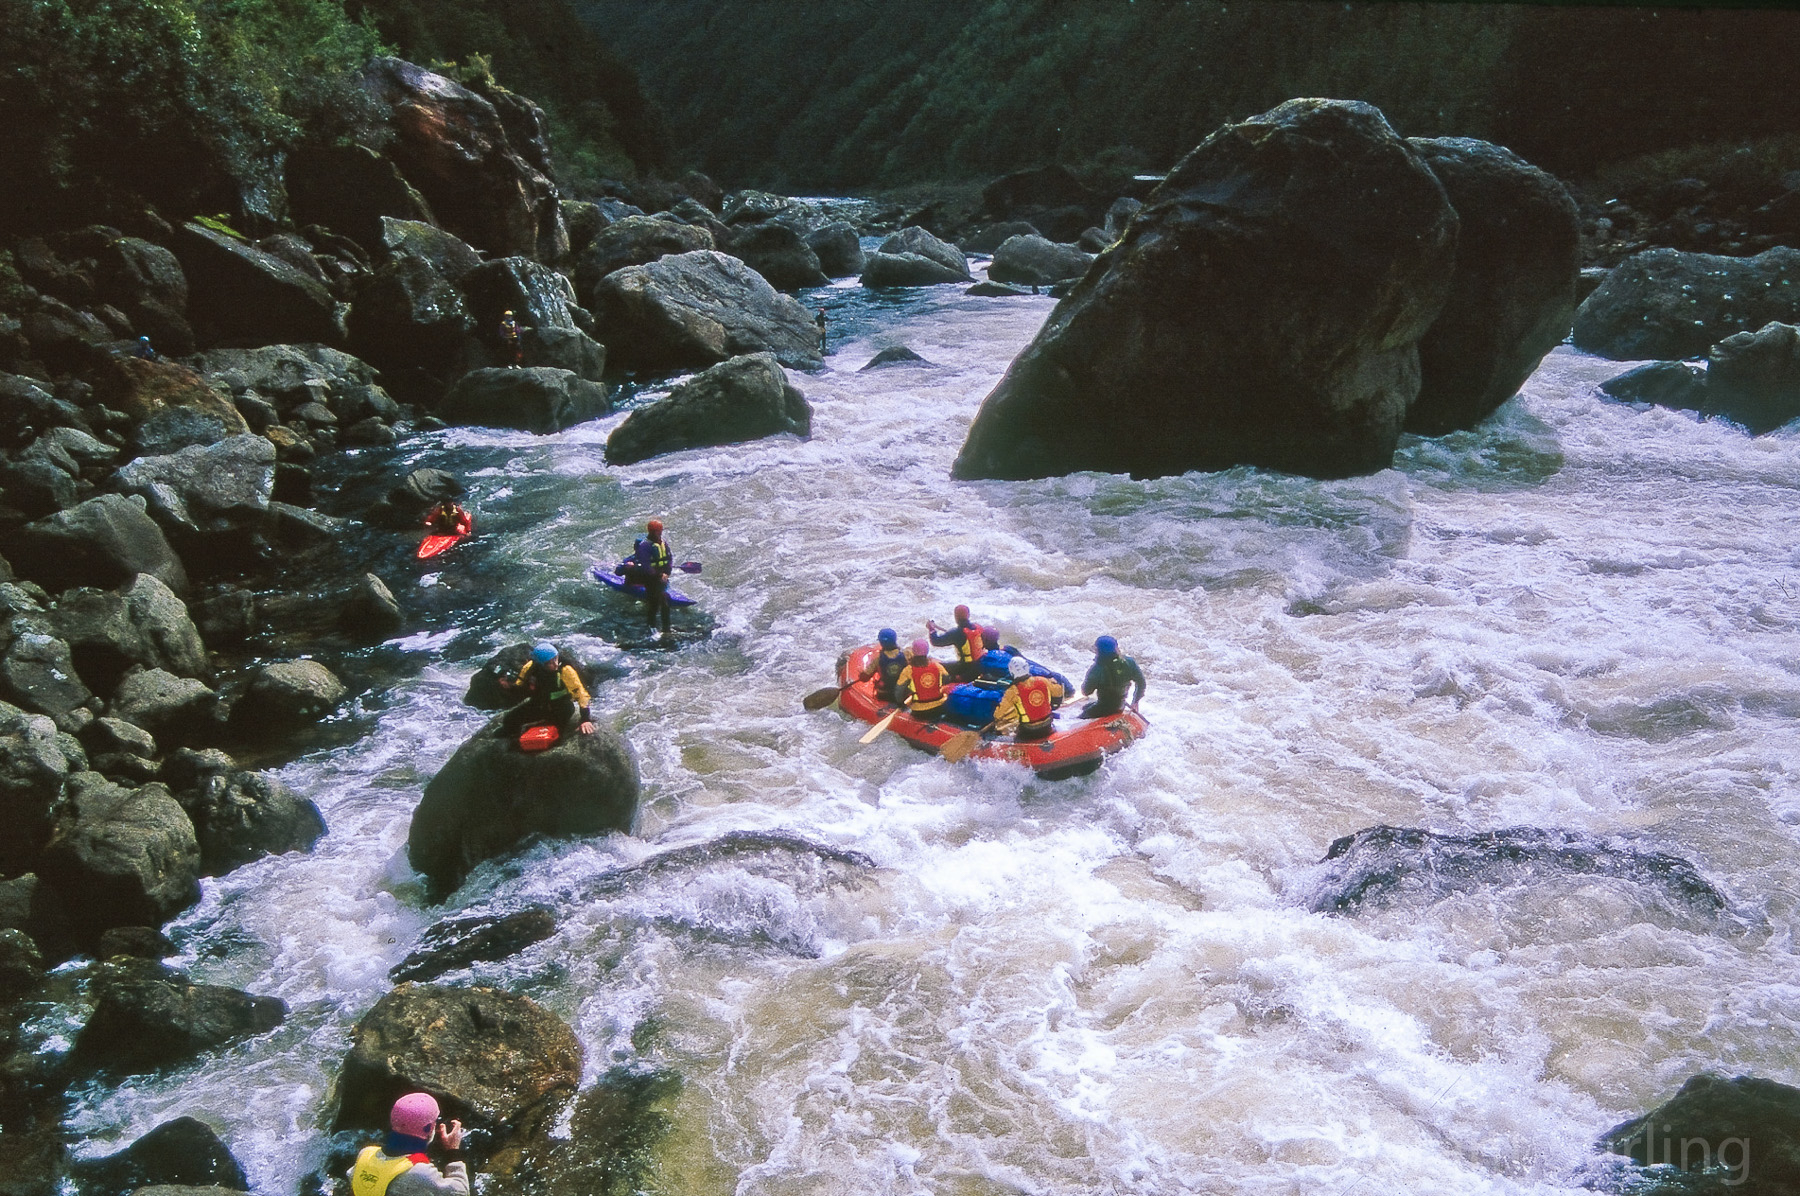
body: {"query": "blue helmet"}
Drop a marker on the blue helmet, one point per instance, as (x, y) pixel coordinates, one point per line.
(887, 638)
(1106, 645)
(543, 653)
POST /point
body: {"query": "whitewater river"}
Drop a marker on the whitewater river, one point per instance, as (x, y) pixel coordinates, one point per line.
(1581, 616)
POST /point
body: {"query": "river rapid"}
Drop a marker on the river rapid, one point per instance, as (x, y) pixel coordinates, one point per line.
(1580, 616)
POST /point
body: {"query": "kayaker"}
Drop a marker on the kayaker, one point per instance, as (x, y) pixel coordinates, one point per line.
(649, 565)
(401, 1165)
(553, 694)
(886, 665)
(449, 519)
(969, 640)
(1108, 678)
(1029, 704)
(926, 682)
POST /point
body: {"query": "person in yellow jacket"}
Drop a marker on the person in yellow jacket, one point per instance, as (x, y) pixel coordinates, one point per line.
(1029, 704)
(553, 694)
(401, 1166)
(926, 682)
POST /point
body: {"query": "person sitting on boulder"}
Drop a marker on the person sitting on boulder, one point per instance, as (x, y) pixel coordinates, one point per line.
(401, 1166)
(553, 694)
(510, 344)
(1111, 675)
(926, 682)
(144, 349)
(969, 640)
(1029, 705)
(649, 565)
(449, 519)
(886, 665)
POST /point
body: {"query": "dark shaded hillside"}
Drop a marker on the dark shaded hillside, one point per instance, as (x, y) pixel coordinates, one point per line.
(802, 96)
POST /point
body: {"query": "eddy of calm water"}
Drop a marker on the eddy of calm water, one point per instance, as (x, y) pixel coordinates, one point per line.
(1579, 616)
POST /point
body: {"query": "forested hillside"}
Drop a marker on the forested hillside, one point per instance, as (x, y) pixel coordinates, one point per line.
(834, 95)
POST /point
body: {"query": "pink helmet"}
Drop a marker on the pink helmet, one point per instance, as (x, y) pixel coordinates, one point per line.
(921, 648)
(414, 1115)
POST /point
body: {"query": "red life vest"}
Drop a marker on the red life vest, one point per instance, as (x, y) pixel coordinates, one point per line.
(1034, 698)
(972, 646)
(927, 684)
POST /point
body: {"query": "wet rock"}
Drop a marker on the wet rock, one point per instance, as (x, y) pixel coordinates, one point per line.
(369, 610)
(779, 254)
(1311, 250)
(615, 1129)
(534, 399)
(288, 694)
(22, 964)
(1033, 261)
(444, 252)
(459, 942)
(407, 316)
(104, 542)
(997, 290)
(241, 295)
(499, 1063)
(148, 1016)
(1753, 378)
(490, 797)
(838, 249)
(697, 309)
(1720, 1136)
(367, 433)
(300, 526)
(351, 189)
(913, 257)
(540, 300)
(634, 241)
(243, 816)
(206, 490)
(226, 617)
(1512, 295)
(141, 389)
(745, 398)
(1667, 304)
(128, 855)
(453, 146)
(137, 942)
(37, 670)
(1675, 384)
(406, 504)
(894, 355)
(985, 238)
(30, 906)
(1390, 865)
(184, 1151)
(174, 709)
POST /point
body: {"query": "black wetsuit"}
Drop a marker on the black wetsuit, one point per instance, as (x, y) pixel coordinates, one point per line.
(1108, 680)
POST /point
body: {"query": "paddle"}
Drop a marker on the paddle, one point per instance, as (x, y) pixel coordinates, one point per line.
(689, 566)
(818, 699)
(881, 726)
(961, 744)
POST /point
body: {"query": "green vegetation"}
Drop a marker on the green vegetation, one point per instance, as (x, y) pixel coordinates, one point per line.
(816, 95)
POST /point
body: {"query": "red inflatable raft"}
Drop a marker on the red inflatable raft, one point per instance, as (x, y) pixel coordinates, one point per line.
(1074, 749)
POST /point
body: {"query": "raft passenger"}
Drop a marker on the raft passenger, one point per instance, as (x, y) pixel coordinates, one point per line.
(886, 665)
(1110, 676)
(1029, 706)
(553, 694)
(969, 640)
(401, 1165)
(926, 682)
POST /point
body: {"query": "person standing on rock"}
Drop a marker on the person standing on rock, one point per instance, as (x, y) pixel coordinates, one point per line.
(553, 694)
(511, 347)
(1109, 677)
(649, 565)
(401, 1166)
(819, 323)
(969, 641)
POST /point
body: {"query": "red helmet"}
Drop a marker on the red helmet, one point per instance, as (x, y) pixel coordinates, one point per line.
(654, 527)
(962, 614)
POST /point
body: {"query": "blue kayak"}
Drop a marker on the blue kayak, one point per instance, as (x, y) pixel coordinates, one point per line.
(617, 582)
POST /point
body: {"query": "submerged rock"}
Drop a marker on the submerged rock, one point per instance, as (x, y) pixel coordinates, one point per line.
(1667, 304)
(1675, 384)
(1264, 308)
(148, 1016)
(459, 942)
(490, 797)
(745, 398)
(1720, 1135)
(184, 1151)
(894, 355)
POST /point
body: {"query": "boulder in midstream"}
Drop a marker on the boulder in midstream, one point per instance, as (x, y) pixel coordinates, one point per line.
(459, 942)
(147, 1016)
(1753, 378)
(1720, 1136)
(1034, 261)
(185, 1151)
(537, 399)
(746, 398)
(692, 310)
(1264, 308)
(1667, 304)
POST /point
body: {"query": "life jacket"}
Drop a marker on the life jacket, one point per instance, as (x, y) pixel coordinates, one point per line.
(375, 1171)
(889, 667)
(658, 556)
(536, 680)
(1034, 698)
(1115, 677)
(972, 647)
(928, 685)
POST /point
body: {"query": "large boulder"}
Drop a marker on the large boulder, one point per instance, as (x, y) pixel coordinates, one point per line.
(634, 241)
(145, 282)
(33, 767)
(1263, 309)
(350, 189)
(913, 257)
(490, 797)
(838, 249)
(174, 709)
(144, 389)
(534, 399)
(143, 624)
(27, 407)
(1037, 262)
(291, 376)
(541, 301)
(121, 857)
(241, 295)
(1753, 378)
(1666, 304)
(106, 542)
(409, 319)
(1720, 1135)
(162, 619)
(148, 1016)
(453, 146)
(746, 398)
(242, 816)
(779, 254)
(289, 693)
(184, 1151)
(693, 310)
(498, 1062)
(1512, 296)
(1675, 384)
(444, 252)
(208, 490)
(38, 672)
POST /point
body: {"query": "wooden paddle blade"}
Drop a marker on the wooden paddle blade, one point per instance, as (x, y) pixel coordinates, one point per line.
(818, 699)
(877, 729)
(959, 745)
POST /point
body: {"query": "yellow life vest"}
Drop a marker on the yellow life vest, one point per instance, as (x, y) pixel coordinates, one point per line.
(375, 1171)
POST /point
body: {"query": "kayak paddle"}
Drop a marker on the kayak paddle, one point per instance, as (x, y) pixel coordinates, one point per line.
(689, 566)
(881, 726)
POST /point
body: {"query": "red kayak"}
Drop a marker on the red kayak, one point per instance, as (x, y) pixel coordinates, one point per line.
(431, 546)
(1074, 749)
